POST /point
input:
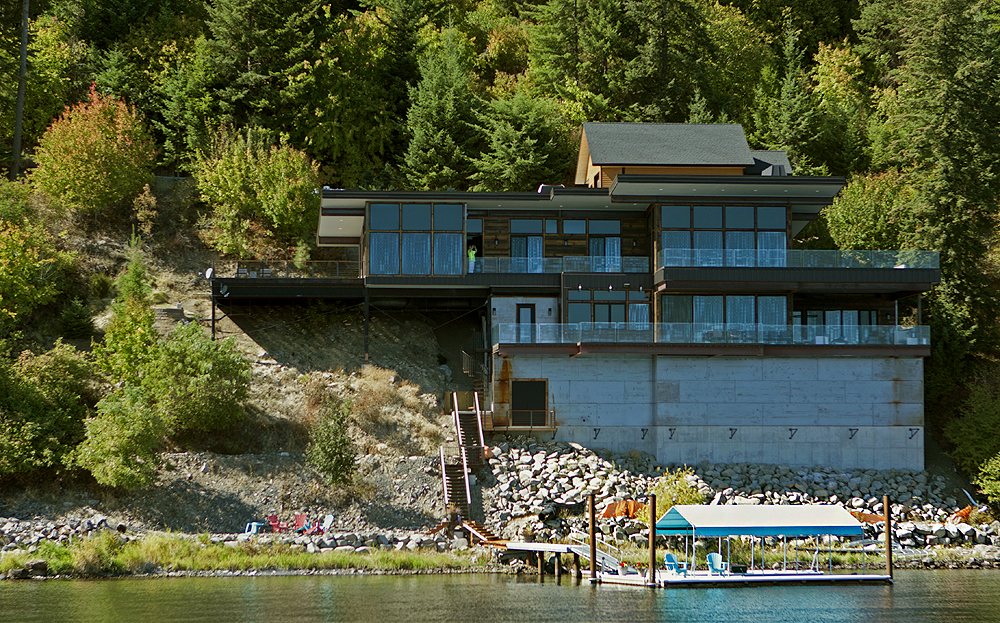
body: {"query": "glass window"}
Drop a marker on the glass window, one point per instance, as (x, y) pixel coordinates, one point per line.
(773, 310)
(771, 218)
(708, 248)
(676, 248)
(578, 312)
(609, 295)
(675, 217)
(739, 248)
(739, 217)
(448, 217)
(384, 253)
(474, 225)
(771, 248)
(384, 216)
(677, 308)
(606, 227)
(525, 226)
(638, 312)
(574, 227)
(447, 254)
(708, 217)
(551, 226)
(740, 310)
(416, 254)
(417, 216)
(638, 295)
(708, 309)
(578, 295)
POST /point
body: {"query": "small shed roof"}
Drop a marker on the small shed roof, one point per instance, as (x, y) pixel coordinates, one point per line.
(767, 520)
(665, 144)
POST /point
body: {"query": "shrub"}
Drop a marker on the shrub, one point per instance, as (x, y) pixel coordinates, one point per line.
(197, 384)
(673, 487)
(263, 197)
(29, 268)
(100, 285)
(120, 449)
(75, 321)
(988, 479)
(14, 201)
(95, 157)
(976, 433)
(44, 400)
(330, 450)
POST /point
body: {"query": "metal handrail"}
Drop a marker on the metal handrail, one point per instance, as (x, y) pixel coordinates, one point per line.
(798, 258)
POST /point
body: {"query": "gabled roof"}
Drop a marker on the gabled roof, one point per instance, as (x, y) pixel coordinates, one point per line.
(663, 144)
(769, 520)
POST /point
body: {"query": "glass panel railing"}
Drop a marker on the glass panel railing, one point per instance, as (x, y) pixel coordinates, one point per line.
(711, 333)
(799, 258)
(288, 270)
(568, 264)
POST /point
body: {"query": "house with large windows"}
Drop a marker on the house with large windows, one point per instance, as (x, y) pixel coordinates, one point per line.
(658, 304)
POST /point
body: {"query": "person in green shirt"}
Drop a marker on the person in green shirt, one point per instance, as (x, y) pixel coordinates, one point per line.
(472, 258)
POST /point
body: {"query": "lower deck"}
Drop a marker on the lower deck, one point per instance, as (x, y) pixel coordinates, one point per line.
(758, 577)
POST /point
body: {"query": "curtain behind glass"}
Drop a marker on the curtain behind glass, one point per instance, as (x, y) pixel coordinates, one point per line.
(739, 248)
(771, 249)
(416, 254)
(708, 310)
(383, 254)
(676, 248)
(708, 248)
(535, 253)
(518, 254)
(447, 254)
(772, 310)
(740, 310)
(613, 253)
(638, 313)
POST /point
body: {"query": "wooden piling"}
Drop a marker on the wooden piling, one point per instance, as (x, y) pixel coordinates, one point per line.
(888, 535)
(593, 537)
(652, 539)
(577, 571)
(558, 559)
(541, 566)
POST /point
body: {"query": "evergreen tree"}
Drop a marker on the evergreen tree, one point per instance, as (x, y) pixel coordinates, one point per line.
(442, 119)
(526, 145)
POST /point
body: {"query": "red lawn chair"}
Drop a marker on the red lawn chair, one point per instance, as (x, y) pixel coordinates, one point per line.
(276, 525)
(300, 523)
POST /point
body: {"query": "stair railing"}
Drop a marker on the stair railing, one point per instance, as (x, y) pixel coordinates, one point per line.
(444, 479)
(465, 477)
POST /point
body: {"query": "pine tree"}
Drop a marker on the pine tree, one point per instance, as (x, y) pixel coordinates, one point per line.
(442, 119)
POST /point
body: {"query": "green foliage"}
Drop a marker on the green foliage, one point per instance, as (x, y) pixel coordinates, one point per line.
(75, 321)
(130, 342)
(14, 201)
(874, 211)
(195, 383)
(29, 272)
(96, 157)
(44, 400)
(526, 145)
(976, 433)
(673, 487)
(441, 119)
(988, 479)
(330, 449)
(100, 285)
(121, 443)
(263, 197)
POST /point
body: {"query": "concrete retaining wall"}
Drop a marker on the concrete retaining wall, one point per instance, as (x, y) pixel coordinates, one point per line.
(841, 412)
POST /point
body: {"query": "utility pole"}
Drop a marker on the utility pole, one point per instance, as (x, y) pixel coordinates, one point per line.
(15, 167)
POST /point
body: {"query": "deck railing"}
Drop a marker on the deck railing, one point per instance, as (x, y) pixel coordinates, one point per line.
(556, 265)
(711, 333)
(263, 269)
(798, 258)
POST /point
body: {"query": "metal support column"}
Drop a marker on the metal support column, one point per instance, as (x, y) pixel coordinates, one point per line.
(367, 316)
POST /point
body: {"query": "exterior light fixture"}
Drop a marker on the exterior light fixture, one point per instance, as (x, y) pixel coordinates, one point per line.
(496, 242)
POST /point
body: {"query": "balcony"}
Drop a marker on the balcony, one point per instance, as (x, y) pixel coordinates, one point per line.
(288, 270)
(712, 334)
(797, 258)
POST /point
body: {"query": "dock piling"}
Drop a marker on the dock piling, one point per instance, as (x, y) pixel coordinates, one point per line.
(593, 537)
(888, 535)
(652, 539)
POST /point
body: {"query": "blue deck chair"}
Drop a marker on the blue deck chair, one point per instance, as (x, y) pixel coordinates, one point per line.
(253, 527)
(716, 566)
(672, 565)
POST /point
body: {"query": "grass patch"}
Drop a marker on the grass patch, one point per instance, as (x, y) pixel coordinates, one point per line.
(108, 553)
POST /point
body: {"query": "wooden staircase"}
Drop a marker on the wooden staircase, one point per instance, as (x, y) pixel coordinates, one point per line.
(469, 431)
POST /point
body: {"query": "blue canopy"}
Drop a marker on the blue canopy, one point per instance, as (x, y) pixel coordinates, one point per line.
(776, 520)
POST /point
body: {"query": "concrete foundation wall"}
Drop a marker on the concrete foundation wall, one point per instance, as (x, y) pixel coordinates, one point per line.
(839, 412)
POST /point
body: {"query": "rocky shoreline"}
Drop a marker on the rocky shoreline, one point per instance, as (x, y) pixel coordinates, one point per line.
(533, 490)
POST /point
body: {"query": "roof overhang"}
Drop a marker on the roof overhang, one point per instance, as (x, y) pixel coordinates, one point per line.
(765, 520)
(337, 202)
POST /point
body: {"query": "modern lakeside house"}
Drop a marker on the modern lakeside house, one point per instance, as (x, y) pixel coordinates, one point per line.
(656, 305)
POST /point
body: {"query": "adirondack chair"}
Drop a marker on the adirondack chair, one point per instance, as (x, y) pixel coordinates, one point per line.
(300, 523)
(276, 525)
(672, 565)
(716, 566)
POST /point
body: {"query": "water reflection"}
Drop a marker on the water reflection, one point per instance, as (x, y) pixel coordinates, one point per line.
(917, 596)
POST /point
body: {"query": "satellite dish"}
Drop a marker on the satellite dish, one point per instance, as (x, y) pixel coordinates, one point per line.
(208, 273)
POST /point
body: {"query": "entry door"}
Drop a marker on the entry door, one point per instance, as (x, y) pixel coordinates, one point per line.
(525, 324)
(528, 403)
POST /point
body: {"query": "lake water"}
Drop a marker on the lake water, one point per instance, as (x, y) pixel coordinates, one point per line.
(916, 597)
